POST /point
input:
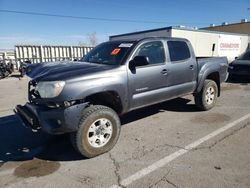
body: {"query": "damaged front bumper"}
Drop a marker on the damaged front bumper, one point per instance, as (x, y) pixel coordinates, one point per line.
(51, 120)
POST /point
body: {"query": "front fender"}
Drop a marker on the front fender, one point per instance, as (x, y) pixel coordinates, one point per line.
(80, 89)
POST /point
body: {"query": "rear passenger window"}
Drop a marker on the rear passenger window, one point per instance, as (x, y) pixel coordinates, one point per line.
(178, 50)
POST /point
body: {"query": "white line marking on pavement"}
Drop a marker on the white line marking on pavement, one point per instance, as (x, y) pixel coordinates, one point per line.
(162, 162)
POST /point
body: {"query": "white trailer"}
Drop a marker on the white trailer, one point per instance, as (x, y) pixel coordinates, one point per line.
(206, 43)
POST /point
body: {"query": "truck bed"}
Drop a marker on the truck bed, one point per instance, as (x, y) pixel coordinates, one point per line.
(220, 61)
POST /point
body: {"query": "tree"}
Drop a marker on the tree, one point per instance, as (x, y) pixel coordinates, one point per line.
(92, 39)
(80, 43)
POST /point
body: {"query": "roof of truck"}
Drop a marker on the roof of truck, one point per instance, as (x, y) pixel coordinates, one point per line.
(145, 38)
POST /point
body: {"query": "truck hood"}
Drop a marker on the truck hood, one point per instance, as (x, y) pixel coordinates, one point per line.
(63, 70)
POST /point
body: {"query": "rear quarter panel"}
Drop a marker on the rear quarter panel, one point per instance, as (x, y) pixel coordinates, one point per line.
(208, 66)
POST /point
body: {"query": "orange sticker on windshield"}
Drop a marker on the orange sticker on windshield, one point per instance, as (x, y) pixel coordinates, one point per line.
(115, 51)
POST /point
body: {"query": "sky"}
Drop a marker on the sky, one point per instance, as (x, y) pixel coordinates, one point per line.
(107, 17)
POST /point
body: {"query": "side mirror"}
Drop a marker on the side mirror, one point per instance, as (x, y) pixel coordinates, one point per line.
(235, 57)
(138, 61)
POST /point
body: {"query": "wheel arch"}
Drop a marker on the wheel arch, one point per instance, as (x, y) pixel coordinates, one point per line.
(110, 99)
(215, 76)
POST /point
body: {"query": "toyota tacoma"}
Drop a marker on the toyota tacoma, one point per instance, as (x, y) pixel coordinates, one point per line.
(86, 98)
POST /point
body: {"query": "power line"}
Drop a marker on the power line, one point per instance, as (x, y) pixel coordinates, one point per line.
(77, 17)
(87, 18)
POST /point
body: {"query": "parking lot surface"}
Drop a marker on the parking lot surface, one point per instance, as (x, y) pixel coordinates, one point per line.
(171, 144)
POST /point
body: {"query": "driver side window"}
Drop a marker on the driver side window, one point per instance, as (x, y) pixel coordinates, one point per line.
(153, 50)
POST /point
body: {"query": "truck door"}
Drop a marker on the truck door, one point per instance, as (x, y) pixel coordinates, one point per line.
(182, 68)
(147, 83)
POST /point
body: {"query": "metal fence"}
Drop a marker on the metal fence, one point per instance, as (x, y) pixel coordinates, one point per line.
(37, 54)
(7, 57)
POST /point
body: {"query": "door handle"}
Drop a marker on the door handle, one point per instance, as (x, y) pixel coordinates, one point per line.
(164, 71)
(191, 67)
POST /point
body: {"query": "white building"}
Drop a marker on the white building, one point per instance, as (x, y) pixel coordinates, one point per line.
(205, 43)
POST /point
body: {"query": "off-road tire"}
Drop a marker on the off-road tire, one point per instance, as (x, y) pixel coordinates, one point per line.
(200, 98)
(79, 139)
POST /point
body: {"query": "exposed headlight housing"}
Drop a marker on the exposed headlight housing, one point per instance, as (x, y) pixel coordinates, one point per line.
(50, 89)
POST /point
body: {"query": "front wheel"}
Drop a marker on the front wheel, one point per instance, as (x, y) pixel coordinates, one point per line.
(98, 132)
(207, 97)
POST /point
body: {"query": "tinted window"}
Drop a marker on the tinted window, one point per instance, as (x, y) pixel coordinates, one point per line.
(178, 50)
(153, 50)
(245, 56)
(111, 53)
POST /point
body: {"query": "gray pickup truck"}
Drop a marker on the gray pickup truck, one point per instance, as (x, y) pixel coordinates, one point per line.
(86, 98)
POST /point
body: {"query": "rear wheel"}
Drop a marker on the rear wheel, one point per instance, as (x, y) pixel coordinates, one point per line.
(98, 132)
(207, 97)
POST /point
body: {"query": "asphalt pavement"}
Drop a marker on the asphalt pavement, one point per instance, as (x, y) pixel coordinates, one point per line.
(171, 144)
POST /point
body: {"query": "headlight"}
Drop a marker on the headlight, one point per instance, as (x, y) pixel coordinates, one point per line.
(50, 89)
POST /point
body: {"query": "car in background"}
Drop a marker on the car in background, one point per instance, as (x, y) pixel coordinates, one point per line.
(5, 69)
(240, 66)
(24, 67)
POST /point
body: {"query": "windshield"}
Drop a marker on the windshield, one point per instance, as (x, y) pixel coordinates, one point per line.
(245, 56)
(110, 53)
